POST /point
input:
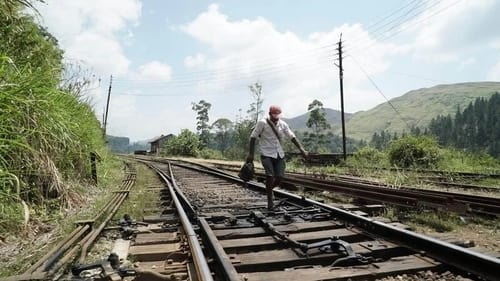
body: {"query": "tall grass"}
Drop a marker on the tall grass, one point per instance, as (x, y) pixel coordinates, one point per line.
(46, 136)
(477, 162)
(46, 133)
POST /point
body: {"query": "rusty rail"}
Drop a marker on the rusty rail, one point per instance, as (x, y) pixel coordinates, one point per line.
(202, 270)
(79, 239)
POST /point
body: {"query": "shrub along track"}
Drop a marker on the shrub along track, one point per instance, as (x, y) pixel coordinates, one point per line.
(303, 239)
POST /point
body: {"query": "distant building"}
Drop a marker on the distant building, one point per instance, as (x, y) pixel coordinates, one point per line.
(157, 144)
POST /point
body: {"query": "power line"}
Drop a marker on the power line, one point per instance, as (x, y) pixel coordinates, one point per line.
(403, 28)
(380, 91)
(271, 68)
(311, 65)
(235, 83)
(284, 61)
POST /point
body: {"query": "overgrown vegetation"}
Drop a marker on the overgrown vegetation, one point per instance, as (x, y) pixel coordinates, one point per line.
(47, 130)
(438, 221)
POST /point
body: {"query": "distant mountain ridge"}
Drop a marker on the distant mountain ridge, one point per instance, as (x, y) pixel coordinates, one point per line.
(333, 117)
(417, 108)
(123, 145)
(414, 108)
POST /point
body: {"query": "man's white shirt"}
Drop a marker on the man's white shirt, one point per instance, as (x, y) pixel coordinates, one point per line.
(270, 145)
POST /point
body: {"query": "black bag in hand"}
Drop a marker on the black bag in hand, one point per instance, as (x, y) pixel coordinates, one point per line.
(247, 171)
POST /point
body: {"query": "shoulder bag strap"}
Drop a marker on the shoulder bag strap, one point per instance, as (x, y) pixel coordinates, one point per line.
(274, 129)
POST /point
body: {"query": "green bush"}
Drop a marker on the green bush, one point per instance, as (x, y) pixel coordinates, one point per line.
(185, 144)
(368, 156)
(415, 152)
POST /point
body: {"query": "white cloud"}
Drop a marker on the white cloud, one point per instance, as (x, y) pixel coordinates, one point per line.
(127, 119)
(104, 53)
(153, 70)
(450, 29)
(91, 30)
(93, 33)
(293, 71)
(233, 54)
(214, 29)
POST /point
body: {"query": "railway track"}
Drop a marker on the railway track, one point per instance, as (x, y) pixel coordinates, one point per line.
(300, 239)
(212, 226)
(396, 195)
(76, 245)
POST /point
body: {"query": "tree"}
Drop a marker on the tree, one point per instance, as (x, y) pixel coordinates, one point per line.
(476, 128)
(243, 128)
(317, 120)
(222, 134)
(202, 125)
(318, 123)
(256, 107)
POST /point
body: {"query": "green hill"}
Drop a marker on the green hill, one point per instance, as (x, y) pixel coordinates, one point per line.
(332, 116)
(417, 108)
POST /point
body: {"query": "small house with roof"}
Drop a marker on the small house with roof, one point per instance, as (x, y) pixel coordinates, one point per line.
(157, 144)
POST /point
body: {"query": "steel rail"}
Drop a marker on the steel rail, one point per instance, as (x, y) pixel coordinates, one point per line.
(63, 249)
(187, 205)
(121, 195)
(96, 232)
(36, 270)
(43, 260)
(220, 255)
(202, 270)
(448, 200)
(447, 253)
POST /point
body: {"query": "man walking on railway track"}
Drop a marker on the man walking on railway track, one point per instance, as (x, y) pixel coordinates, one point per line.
(270, 132)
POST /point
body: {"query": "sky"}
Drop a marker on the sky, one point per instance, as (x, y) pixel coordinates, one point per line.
(166, 55)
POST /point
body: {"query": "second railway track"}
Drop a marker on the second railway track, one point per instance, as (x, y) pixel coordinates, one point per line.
(400, 195)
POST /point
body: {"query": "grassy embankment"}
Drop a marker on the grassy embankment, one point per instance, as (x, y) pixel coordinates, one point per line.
(47, 133)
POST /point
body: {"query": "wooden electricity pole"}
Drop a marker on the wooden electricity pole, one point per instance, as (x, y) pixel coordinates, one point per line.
(107, 107)
(341, 76)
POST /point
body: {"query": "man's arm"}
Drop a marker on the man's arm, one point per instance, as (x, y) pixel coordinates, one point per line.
(304, 153)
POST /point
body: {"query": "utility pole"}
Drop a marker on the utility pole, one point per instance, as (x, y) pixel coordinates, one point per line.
(341, 76)
(107, 107)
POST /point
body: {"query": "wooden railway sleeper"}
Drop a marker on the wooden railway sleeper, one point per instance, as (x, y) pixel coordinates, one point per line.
(333, 244)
